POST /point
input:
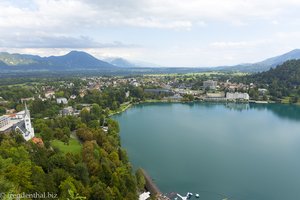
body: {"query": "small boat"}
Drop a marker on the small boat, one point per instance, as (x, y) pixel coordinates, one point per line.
(197, 195)
(189, 195)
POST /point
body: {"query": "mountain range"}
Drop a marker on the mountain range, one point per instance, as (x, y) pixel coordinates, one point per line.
(74, 60)
(79, 60)
(265, 64)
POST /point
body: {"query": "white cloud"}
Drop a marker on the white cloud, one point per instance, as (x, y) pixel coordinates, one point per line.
(43, 40)
(67, 14)
(58, 25)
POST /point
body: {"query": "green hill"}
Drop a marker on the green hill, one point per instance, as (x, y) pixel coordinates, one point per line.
(282, 82)
(287, 74)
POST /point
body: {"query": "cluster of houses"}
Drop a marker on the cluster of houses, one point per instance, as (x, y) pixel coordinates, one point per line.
(214, 92)
(175, 91)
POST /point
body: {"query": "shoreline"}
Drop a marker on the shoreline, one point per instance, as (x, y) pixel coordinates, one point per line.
(194, 101)
(122, 110)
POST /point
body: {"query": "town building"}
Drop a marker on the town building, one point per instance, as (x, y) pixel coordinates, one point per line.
(61, 101)
(67, 111)
(175, 97)
(220, 96)
(215, 95)
(134, 83)
(10, 111)
(50, 94)
(159, 91)
(38, 141)
(144, 196)
(262, 91)
(210, 84)
(82, 93)
(73, 96)
(237, 96)
(127, 94)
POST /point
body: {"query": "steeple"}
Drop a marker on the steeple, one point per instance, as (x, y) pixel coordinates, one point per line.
(26, 110)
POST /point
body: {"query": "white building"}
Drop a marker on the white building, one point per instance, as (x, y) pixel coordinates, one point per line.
(61, 100)
(73, 96)
(134, 83)
(50, 94)
(262, 91)
(19, 115)
(127, 94)
(237, 96)
(144, 196)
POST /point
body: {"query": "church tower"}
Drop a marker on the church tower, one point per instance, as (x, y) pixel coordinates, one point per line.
(24, 126)
(27, 121)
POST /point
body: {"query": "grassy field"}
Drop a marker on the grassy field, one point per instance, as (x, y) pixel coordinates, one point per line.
(286, 100)
(73, 147)
(122, 108)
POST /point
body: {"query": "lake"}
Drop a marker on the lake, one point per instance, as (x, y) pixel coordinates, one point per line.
(233, 151)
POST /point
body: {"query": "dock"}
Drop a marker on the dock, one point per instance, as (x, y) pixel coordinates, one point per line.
(258, 102)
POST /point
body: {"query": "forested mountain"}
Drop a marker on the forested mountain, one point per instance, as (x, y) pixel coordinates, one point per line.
(72, 60)
(287, 74)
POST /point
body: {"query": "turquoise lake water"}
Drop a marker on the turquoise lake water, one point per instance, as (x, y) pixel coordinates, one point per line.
(233, 151)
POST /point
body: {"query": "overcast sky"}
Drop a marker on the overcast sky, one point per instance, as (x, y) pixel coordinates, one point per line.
(166, 32)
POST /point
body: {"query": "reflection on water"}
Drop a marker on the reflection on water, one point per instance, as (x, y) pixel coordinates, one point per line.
(282, 110)
(238, 106)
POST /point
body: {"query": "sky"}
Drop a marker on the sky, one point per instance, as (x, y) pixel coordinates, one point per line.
(175, 33)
